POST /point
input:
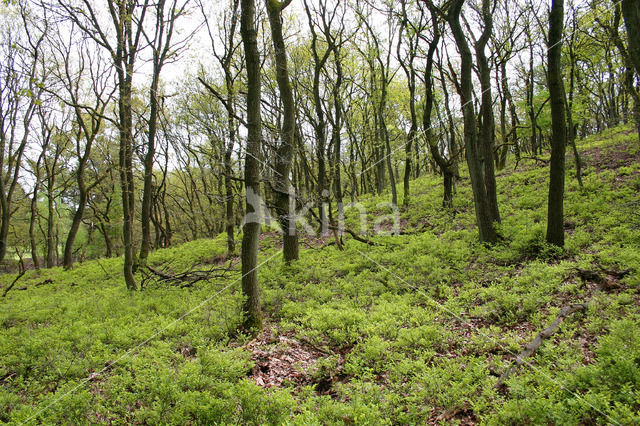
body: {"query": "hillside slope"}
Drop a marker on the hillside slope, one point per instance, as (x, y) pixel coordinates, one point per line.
(415, 329)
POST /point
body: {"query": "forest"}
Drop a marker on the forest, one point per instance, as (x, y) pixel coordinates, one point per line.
(320, 212)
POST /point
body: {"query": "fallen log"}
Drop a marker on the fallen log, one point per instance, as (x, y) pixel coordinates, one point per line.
(535, 343)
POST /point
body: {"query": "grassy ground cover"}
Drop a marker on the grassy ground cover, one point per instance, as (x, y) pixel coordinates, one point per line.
(416, 329)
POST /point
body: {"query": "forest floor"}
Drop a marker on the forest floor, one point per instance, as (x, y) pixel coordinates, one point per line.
(415, 329)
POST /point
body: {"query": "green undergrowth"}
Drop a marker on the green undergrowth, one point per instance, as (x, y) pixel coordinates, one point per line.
(415, 329)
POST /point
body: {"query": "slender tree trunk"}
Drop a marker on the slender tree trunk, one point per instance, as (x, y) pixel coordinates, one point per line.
(571, 127)
(452, 142)
(4, 226)
(410, 72)
(337, 128)
(107, 240)
(285, 203)
(555, 214)
(228, 168)
(125, 155)
(147, 191)
(161, 45)
(251, 229)
(532, 112)
(77, 218)
(487, 129)
(512, 111)
(632, 90)
(32, 224)
(483, 212)
(384, 135)
(501, 154)
(51, 237)
(445, 166)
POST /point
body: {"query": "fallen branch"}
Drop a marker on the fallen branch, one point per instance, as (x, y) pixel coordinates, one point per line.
(587, 275)
(187, 278)
(536, 159)
(617, 274)
(353, 235)
(535, 344)
(348, 231)
(610, 282)
(6, 290)
(108, 275)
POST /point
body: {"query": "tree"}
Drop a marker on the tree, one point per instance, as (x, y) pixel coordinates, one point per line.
(54, 166)
(555, 212)
(127, 21)
(484, 216)
(413, 32)
(380, 65)
(163, 50)
(225, 59)
(631, 14)
(21, 86)
(319, 121)
(251, 228)
(285, 203)
(446, 166)
(487, 122)
(625, 52)
(87, 92)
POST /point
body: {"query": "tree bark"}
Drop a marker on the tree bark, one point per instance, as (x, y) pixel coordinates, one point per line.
(319, 123)
(410, 72)
(487, 128)
(77, 216)
(161, 47)
(555, 213)
(285, 203)
(483, 212)
(631, 14)
(251, 229)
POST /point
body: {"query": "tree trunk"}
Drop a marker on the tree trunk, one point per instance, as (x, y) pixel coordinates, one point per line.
(532, 112)
(571, 127)
(285, 203)
(555, 214)
(161, 47)
(125, 155)
(77, 217)
(251, 229)
(512, 111)
(4, 227)
(107, 240)
(32, 221)
(384, 133)
(483, 212)
(228, 169)
(51, 238)
(487, 129)
(628, 61)
(147, 191)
